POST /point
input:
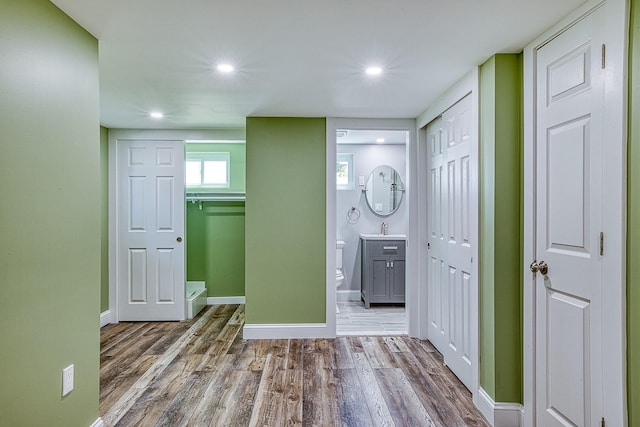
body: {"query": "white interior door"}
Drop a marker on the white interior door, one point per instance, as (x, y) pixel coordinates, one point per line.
(449, 282)
(150, 248)
(569, 163)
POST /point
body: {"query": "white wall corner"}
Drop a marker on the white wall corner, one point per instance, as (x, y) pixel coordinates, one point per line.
(105, 318)
(286, 331)
(343, 296)
(225, 300)
(499, 414)
(97, 423)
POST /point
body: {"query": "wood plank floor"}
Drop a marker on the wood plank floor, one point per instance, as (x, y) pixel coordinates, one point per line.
(202, 373)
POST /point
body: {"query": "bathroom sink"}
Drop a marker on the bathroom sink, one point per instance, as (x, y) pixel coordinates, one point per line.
(383, 236)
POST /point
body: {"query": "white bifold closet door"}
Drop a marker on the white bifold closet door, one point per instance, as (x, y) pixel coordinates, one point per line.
(449, 251)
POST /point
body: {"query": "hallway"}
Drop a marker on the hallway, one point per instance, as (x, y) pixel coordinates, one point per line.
(202, 373)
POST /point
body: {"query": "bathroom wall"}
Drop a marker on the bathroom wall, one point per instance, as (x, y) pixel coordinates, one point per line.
(366, 158)
(49, 216)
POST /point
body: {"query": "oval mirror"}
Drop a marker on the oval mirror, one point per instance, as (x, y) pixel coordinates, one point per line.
(384, 190)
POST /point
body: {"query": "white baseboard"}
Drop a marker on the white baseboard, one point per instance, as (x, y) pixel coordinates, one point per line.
(225, 300)
(285, 331)
(105, 318)
(500, 414)
(343, 296)
(97, 423)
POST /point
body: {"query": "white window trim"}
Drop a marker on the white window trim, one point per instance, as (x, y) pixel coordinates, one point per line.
(348, 158)
(213, 156)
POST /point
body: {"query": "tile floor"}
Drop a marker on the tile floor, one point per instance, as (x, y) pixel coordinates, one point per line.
(380, 319)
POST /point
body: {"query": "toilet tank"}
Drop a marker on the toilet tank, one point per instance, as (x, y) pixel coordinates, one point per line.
(339, 245)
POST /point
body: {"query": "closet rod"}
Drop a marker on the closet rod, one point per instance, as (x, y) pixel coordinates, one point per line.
(201, 197)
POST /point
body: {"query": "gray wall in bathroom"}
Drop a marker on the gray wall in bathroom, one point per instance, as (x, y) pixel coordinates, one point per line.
(366, 158)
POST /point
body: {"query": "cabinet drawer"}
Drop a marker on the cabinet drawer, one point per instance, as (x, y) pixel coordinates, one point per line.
(383, 247)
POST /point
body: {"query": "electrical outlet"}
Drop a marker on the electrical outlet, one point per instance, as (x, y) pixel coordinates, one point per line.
(67, 380)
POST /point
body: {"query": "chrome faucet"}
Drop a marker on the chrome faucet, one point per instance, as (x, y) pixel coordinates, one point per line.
(384, 229)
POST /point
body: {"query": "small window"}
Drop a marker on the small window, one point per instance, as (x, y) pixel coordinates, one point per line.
(207, 170)
(344, 171)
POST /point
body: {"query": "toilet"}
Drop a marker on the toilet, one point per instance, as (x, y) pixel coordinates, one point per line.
(339, 273)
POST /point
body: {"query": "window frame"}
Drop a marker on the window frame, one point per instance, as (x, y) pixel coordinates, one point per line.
(348, 159)
(204, 157)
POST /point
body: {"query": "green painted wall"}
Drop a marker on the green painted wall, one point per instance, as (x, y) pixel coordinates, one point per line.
(49, 216)
(286, 220)
(104, 219)
(501, 228)
(237, 154)
(633, 218)
(215, 232)
(215, 247)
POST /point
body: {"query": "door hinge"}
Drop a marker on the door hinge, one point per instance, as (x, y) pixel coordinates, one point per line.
(604, 55)
(601, 243)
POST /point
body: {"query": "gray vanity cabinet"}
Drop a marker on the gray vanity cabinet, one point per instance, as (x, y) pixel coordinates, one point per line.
(383, 271)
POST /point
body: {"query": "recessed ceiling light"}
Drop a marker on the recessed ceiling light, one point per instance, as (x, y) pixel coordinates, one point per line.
(374, 71)
(225, 68)
(380, 140)
(156, 115)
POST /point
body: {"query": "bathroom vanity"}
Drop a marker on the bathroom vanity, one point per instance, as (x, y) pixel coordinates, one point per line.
(383, 268)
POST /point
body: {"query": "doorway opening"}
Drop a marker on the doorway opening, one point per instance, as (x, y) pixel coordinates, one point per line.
(371, 231)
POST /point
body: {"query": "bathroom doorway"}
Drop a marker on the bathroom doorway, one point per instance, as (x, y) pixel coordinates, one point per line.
(371, 228)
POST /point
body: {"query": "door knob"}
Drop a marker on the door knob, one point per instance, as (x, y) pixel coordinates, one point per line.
(533, 267)
(179, 239)
(541, 267)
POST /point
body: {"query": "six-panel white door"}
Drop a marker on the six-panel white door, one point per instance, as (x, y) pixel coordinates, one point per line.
(449, 243)
(569, 156)
(150, 218)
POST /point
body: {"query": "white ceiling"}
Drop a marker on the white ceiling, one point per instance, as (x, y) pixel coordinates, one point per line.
(294, 57)
(358, 136)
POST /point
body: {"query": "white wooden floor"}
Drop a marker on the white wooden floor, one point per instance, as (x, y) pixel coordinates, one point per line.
(355, 320)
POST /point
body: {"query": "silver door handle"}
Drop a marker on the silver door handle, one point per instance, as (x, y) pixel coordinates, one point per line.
(391, 264)
(389, 248)
(541, 267)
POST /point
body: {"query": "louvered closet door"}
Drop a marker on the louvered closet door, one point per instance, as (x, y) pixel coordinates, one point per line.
(449, 253)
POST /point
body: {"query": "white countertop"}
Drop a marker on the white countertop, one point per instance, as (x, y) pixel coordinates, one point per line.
(383, 236)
